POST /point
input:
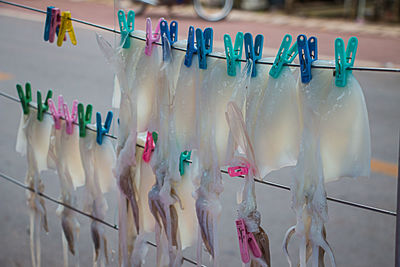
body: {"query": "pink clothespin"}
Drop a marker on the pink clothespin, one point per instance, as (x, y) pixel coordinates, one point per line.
(246, 241)
(150, 36)
(55, 24)
(148, 147)
(72, 118)
(57, 114)
(238, 170)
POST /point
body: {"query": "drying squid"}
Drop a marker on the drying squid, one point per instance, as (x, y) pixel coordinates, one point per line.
(98, 161)
(248, 206)
(328, 151)
(208, 206)
(33, 140)
(65, 153)
(170, 198)
(131, 66)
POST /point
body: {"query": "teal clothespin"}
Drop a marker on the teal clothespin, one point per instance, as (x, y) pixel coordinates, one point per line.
(102, 130)
(43, 107)
(233, 54)
(204, 42)
(286, 55)
(344, 59)
(126, 26)
(25, 98)
(84, 118)
(182, 160)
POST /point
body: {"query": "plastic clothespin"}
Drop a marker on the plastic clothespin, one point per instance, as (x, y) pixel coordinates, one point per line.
(148, 147)
(182, 160)
(55, 23)
(191, 47)
(66, 26)
(43, 107)
(57, 113)
(126, 26)
(286, 54)
(25, 98)
(307, 54)
(233, 54)
(103, 129)
(253, 52)
(84, 118)
(344, 59)
(204, 42)
(47, 23)
(150, 36)
(246, 242)
(72, 118)
(171, 34)
(238, 170)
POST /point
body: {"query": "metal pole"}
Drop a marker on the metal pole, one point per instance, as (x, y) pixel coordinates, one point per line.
(397, 245)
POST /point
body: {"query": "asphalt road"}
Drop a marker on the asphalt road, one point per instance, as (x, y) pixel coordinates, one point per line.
(358, 237)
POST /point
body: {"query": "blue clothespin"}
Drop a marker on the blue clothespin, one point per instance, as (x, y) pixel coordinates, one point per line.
(102, 130)
(126, 26)
(47, 23)
(344, 59)
(253, 52)
(308, 52)
(171, 34)
(286, 54)
(233, 54)
(182, 160)
(204, 42)
(191, 47)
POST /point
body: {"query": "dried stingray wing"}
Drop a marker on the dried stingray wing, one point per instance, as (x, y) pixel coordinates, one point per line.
(205, 223)
(345, 133)
(21, 143)
(263, 242)
(277, 127)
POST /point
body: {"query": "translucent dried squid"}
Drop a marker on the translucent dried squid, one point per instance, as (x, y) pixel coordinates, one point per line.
(33, 140)
(65, 153)
(98, 161)
(248, 206)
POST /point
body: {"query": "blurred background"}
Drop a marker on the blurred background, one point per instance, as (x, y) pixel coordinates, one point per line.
(359, 238)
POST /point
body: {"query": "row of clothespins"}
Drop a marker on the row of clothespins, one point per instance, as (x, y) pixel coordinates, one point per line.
(82, 117)
(58, 24)
(78, 115)
(201, 43)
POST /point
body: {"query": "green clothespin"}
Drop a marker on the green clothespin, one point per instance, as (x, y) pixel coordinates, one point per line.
(182, 159)
(84, 119)
(344, 59)
(286, 55)
(155, 137)
(233, 54)
(25, 98)
(43, 107)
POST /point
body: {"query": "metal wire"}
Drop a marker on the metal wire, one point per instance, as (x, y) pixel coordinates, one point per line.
(276, 185)
(52, 199)
(209, 55)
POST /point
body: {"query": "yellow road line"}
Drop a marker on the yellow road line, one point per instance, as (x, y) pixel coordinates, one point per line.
(5, 76)
(383, 167)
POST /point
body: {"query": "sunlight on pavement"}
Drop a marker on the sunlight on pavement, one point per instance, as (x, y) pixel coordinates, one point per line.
(382, 167)
(6, 76)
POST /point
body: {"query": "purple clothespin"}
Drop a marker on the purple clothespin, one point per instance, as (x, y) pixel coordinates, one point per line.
(150, 36)
(72, 118)
(55, 24)
(57, 113)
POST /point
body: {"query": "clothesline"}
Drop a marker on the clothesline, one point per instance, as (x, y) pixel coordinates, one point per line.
(52, 199)
(209, 55)
(276, 185)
